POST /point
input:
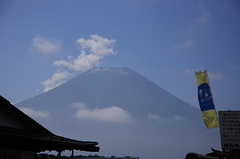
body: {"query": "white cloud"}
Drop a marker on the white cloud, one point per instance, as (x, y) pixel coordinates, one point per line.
(82, 63)
(165, 119)
(111, 114)
(178, 118)
(35, 113)
(57, 79)
(205, 17)
(154, 117)
(79, 105)
(187, 71)
(98, 45)
(202, 19)
(157, 118)
(46, 45)
(187, 45)
(91, 52)
(215, 75)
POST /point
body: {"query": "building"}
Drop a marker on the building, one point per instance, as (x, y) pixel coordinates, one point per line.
(21, 137)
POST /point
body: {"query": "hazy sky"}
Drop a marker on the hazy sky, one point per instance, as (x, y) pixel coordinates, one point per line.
(46, 43)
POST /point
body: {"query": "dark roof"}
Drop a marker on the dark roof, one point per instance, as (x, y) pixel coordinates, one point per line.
(21, 139)
(38, 138)
(11, 109)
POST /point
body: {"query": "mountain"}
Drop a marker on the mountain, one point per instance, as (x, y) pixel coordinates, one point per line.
(126, 113)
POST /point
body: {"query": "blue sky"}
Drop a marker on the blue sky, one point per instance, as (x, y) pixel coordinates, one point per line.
(46, 43)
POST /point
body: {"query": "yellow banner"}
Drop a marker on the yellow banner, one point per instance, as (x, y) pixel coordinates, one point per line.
(202, 77)
(210, 118)
(205, 99)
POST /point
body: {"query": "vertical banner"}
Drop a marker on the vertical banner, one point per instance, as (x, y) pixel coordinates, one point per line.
(205, 99)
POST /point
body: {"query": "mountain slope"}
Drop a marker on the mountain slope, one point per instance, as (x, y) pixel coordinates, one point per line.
(125, 112)
(105, 87)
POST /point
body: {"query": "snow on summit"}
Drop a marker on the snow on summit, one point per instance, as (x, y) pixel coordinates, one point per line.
(112, 70)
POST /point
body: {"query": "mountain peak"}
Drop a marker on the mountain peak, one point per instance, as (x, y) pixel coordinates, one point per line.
(109, 70)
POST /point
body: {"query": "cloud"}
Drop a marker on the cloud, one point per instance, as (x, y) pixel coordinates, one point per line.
(178, 118)
(79, 105)
(165, 119)
(187, 45)
(98, 45)
(215, 75)
(82, 63)
(91, 52)
(187, 71)
(35, 113)
(57, 79)
(205, 17)
(153, 117)
(111, 114)
(47, 46)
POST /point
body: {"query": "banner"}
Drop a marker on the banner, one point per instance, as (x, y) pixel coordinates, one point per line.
(205, 99)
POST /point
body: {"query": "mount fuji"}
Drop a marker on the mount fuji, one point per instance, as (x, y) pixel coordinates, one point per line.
(126, 113)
